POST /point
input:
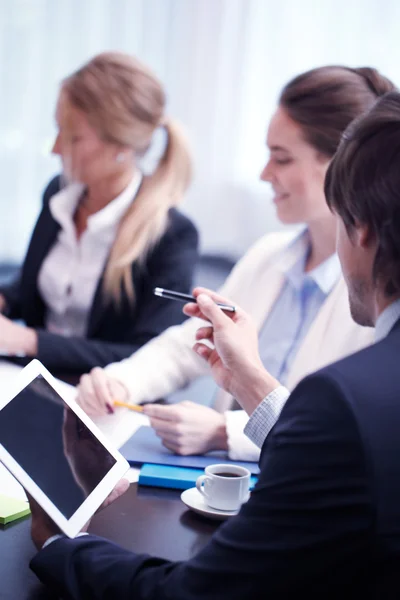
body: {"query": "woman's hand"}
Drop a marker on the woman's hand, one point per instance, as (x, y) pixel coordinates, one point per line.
(188, 428)
(97, 392)
(17, 339)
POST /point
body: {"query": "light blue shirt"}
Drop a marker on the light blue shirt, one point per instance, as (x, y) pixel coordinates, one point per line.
(386, 320)
(296, 307)
(267, 412)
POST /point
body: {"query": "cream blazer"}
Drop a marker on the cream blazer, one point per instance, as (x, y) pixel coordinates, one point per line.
(168, 363)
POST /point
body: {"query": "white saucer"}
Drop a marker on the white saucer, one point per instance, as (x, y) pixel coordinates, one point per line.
(194, 500)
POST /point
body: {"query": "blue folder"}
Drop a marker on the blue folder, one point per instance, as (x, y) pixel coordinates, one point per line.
(179, 478)
(145, 447)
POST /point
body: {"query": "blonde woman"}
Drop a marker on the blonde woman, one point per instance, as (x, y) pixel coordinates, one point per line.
(110, 235)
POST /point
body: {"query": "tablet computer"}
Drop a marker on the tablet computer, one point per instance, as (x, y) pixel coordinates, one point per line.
(54, 449)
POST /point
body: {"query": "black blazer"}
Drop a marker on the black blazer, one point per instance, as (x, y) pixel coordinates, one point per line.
(322, 522)
(113, 334)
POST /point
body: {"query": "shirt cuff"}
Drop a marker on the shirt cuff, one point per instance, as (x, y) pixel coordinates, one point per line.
(53, 538)
(266, 415)
(239, 445)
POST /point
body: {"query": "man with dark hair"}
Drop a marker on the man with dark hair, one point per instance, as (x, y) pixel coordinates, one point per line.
(324, 518)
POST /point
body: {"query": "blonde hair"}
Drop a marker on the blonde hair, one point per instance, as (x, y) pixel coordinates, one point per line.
(124, 102)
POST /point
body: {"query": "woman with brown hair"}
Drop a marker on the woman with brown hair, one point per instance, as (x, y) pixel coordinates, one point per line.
(110, 235)
(290, 283)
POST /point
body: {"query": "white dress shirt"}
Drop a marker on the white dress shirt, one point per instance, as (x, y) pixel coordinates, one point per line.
(71, 271)
(267, 412)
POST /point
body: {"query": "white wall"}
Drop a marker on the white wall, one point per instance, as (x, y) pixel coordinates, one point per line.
(223, 63)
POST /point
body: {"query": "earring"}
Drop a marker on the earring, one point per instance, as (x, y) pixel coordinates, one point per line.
(120, 158)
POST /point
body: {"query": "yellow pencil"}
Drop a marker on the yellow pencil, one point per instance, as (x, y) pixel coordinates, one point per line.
(135, 407)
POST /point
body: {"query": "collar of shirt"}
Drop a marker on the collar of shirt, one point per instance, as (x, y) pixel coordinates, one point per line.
(386, 320)
(325, 275)
(63, 205)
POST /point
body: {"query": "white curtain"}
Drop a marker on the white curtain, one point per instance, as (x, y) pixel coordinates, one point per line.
(223, 63)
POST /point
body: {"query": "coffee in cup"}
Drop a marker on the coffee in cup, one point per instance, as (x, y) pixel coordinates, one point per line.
(224, 487)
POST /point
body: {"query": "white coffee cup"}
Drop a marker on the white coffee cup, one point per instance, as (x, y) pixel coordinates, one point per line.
(224, 487)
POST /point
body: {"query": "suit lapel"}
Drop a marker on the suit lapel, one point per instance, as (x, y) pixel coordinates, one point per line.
(310, 353)
(396, 327)
(267, 284)
(264, 298)
(97, 309)
(43, 238)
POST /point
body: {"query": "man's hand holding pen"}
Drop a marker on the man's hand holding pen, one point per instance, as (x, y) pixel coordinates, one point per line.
(234, 359)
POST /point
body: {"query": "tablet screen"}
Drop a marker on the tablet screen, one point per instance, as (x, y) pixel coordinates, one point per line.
(53, 445)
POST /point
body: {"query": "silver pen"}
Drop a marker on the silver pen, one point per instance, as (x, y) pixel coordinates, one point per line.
(171, 295)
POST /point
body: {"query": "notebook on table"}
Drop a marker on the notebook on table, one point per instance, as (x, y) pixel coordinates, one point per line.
(13, 501)
(178, 478)
(145, 447)
(12, 509)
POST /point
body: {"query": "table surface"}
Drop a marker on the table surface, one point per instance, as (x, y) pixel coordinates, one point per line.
(145, 520)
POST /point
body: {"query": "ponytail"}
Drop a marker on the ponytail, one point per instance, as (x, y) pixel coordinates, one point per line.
(147, 218)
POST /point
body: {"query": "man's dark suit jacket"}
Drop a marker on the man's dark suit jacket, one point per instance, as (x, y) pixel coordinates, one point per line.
(113, 333)
(323, 521)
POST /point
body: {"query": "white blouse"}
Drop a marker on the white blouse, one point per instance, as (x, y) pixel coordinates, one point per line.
(71, 271)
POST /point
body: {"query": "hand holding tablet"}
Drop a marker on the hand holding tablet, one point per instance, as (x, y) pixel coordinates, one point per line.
(55, 451)
(43, 528)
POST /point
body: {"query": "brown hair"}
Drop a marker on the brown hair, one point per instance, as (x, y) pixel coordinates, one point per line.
(362, 184)
(124, 102)
(325, 100)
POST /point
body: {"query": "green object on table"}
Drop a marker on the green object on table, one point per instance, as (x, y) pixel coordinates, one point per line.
(12, 509)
